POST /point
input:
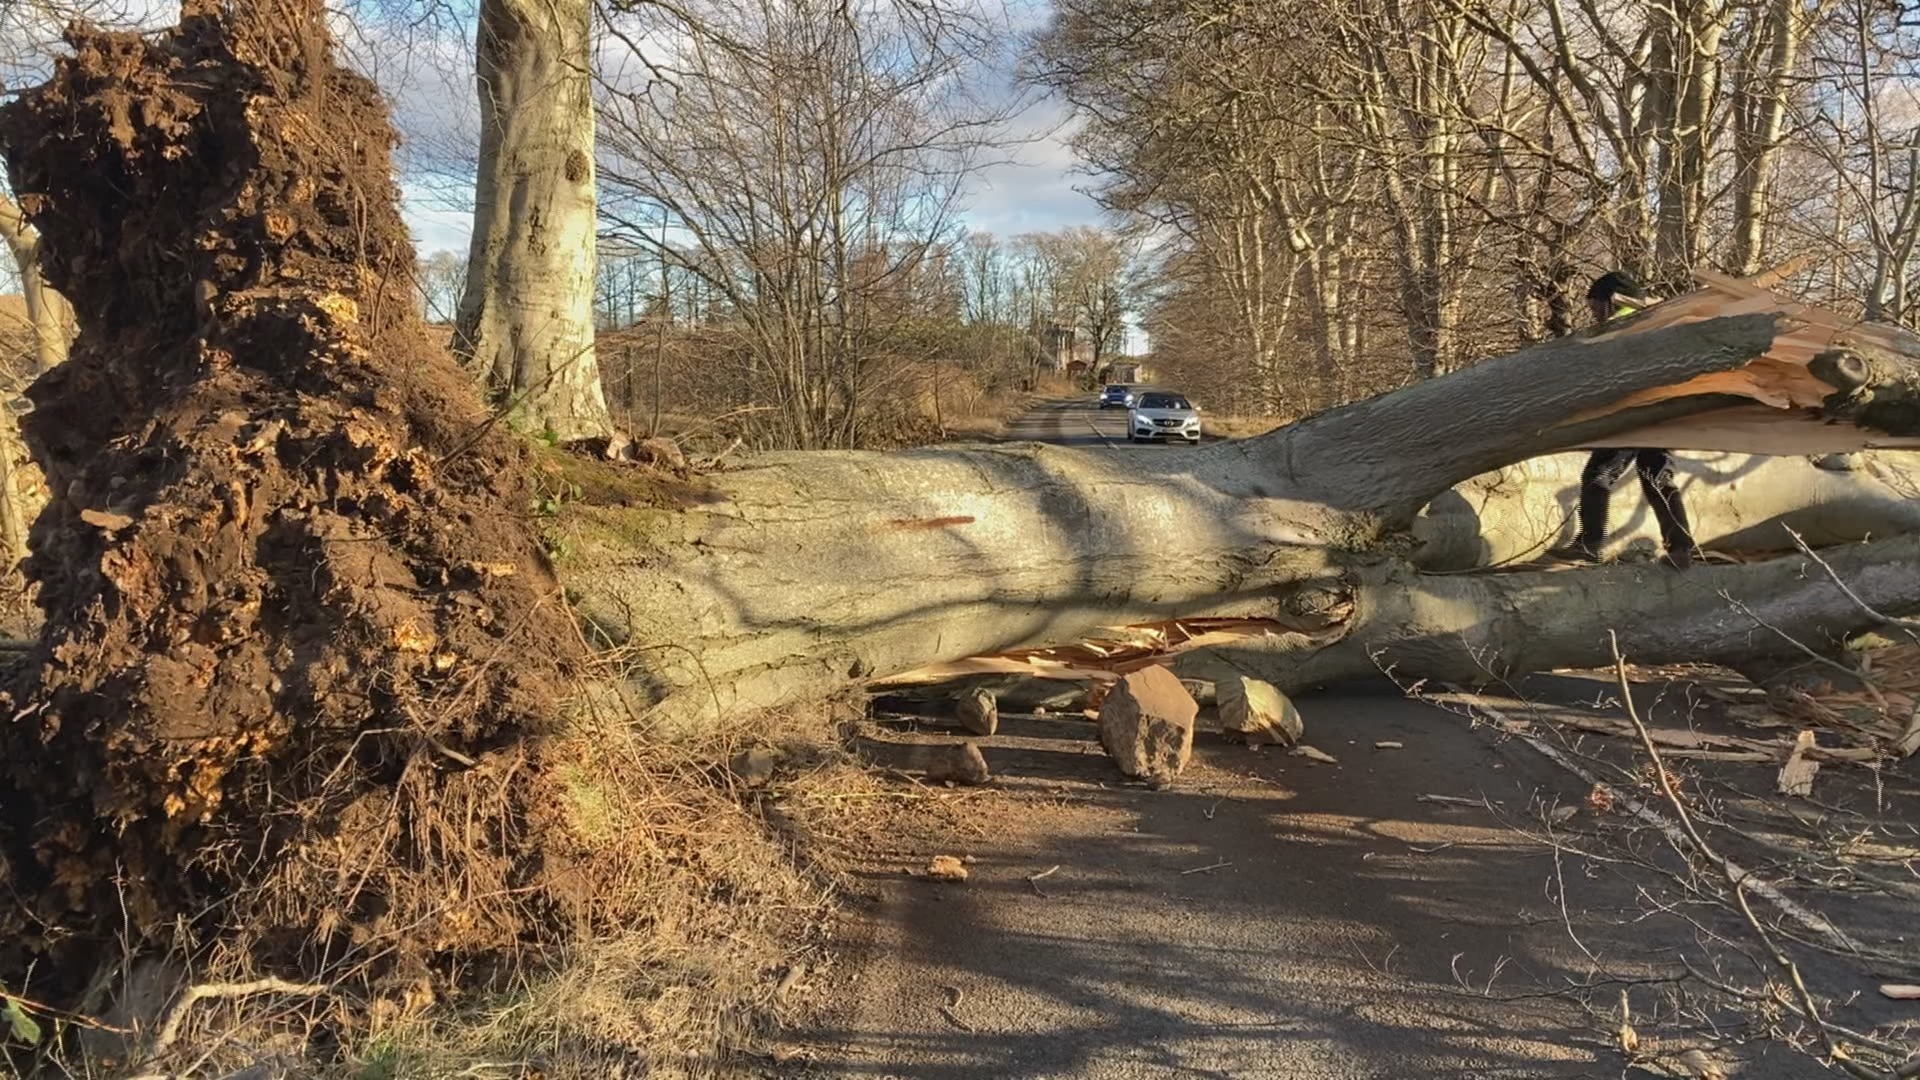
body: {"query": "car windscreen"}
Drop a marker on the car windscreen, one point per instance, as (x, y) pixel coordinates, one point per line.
(1116, 389)
(1163, 401)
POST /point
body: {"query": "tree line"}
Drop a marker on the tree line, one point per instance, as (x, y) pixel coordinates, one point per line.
(1363, 193)
(1313, 201)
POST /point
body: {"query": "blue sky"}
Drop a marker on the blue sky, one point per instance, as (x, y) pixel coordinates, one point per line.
(427, 73)
(1036, 190)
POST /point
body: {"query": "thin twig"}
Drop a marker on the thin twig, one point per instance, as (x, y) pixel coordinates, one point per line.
(1737, 879)
(1910, 626)
(1811, 653)
(948, 1010)
(1206, 868)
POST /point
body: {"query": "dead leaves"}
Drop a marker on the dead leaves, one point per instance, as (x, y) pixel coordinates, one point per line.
(946, 868)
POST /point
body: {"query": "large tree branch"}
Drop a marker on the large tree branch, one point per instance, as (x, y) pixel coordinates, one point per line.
(1391, 455)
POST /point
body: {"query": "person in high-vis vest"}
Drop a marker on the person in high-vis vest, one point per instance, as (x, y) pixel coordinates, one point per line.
(1615, 295)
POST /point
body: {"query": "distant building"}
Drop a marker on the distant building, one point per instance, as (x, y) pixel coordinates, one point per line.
(1127, 370)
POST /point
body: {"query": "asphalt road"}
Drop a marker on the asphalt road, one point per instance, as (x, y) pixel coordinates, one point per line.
(1398, 914)
(1082, 423)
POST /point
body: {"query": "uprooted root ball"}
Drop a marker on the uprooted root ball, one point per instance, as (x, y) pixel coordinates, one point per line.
(299, 625)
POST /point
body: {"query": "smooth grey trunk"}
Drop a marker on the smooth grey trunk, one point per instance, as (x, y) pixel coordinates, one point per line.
(526, 315)
(1736, 502)
(1478, 628)
(1761, 109)
(795, 573)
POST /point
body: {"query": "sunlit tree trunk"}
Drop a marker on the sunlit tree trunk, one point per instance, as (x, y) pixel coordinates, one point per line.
(526, 317)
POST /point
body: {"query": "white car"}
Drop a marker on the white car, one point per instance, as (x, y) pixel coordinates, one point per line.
(1157, 414)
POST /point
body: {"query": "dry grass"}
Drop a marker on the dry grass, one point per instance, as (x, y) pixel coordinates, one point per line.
(730, 906)
(1242, 427)
(696, 898)
(973, 415)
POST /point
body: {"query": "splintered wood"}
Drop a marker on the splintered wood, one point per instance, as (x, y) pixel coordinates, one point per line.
(1881, 719)
(1104, 659)
(1775, 384)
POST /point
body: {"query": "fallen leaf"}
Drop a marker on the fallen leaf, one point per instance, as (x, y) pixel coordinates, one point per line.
(1697, 1064)
(1314, 754)
(1600, 799)
(410, 638)
(946, 868)
(1561, 814)
(20, 1026)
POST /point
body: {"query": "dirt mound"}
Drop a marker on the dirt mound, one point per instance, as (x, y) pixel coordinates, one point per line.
(298, 621)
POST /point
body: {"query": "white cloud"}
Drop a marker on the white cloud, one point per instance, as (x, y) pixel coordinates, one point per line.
(436, 225)
(1037, 189)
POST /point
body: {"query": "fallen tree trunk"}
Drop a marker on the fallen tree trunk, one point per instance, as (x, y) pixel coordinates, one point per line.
(797, 573)
(1736, 502)
(1477, 628)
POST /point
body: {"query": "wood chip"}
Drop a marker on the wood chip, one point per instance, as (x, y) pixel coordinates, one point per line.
(1388, 744)
(103, 519)
(1314, 754)
(1900, 991)
(1910, 738)
(946, 868)
(1796, 776)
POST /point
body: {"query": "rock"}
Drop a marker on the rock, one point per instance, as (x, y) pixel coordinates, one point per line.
(946, 868)
(1146, 725)
(962, 763)
(1258, 712)
(754, 767)
(980, 711)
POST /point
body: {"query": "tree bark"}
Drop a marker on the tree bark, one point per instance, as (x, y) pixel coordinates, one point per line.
(1761, 108)
(799, 572)
(1736, 502)
(1479, 628)
(526, 316)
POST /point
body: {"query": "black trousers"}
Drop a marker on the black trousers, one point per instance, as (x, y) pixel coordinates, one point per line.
(1605, 469)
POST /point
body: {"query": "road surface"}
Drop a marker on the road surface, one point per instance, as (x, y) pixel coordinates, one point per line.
(1398, 914)
(1079, 422)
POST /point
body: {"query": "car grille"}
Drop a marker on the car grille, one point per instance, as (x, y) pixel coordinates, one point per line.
(1168, 423)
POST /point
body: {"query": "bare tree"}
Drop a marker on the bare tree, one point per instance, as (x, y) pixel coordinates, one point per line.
(441, 278)
(804, 160)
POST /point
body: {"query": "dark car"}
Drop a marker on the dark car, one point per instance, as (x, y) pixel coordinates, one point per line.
(1117, 396)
